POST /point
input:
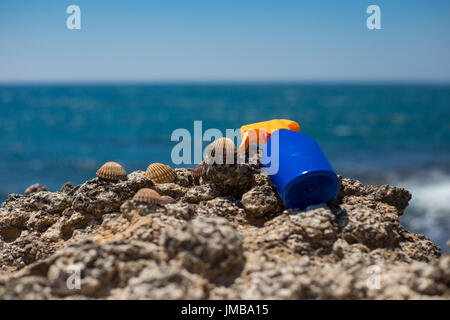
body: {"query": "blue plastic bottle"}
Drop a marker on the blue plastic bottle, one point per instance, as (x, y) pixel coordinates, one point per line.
(304, 176)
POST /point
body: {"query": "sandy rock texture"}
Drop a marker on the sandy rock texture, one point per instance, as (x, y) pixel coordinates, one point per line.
(227, 236)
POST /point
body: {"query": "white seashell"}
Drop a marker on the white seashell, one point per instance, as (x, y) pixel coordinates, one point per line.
(221, 151)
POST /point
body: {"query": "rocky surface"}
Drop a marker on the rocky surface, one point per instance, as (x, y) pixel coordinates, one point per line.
(227, 236)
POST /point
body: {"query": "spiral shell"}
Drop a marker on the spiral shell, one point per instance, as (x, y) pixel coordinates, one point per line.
(111, 171)
(149, 196)
(221, 151)
(167, 199)
(198, 171)
(160, 173)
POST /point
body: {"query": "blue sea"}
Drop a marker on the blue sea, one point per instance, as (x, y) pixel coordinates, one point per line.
(396, 134)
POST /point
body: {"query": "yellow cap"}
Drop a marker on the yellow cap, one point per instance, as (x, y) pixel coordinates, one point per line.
(261, 131)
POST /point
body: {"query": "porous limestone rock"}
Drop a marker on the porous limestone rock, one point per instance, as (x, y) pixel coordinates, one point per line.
(185, 177)
(98, 196)
(199, 193)
(207, 246)
(391, 195)
(229, 179)
(166, 282)
(225, 207)
(171, 189)
(262, 201)
(361, 224)
(34, 188)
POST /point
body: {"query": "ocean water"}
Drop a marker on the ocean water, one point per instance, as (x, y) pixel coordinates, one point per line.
(396, 134)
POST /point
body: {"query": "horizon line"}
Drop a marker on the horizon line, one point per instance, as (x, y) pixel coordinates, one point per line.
(227, 82)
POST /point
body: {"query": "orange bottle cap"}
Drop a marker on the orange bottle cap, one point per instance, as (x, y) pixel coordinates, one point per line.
(260, 132)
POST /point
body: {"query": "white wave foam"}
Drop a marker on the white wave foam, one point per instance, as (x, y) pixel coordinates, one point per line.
(429, 208)
(431, 193)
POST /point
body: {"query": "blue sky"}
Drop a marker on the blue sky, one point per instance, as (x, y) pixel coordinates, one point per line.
(224, 41)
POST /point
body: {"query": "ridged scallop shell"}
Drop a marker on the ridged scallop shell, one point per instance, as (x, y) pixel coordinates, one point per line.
(149, 196)
(160, 173)
(167, 199)
(222, 148)
(112, 171)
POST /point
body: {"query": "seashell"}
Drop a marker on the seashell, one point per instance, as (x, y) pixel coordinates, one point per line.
(198, 171)
(149, 196)
(167, 199)
(221, 151)
(112, 171)
(160, 173)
